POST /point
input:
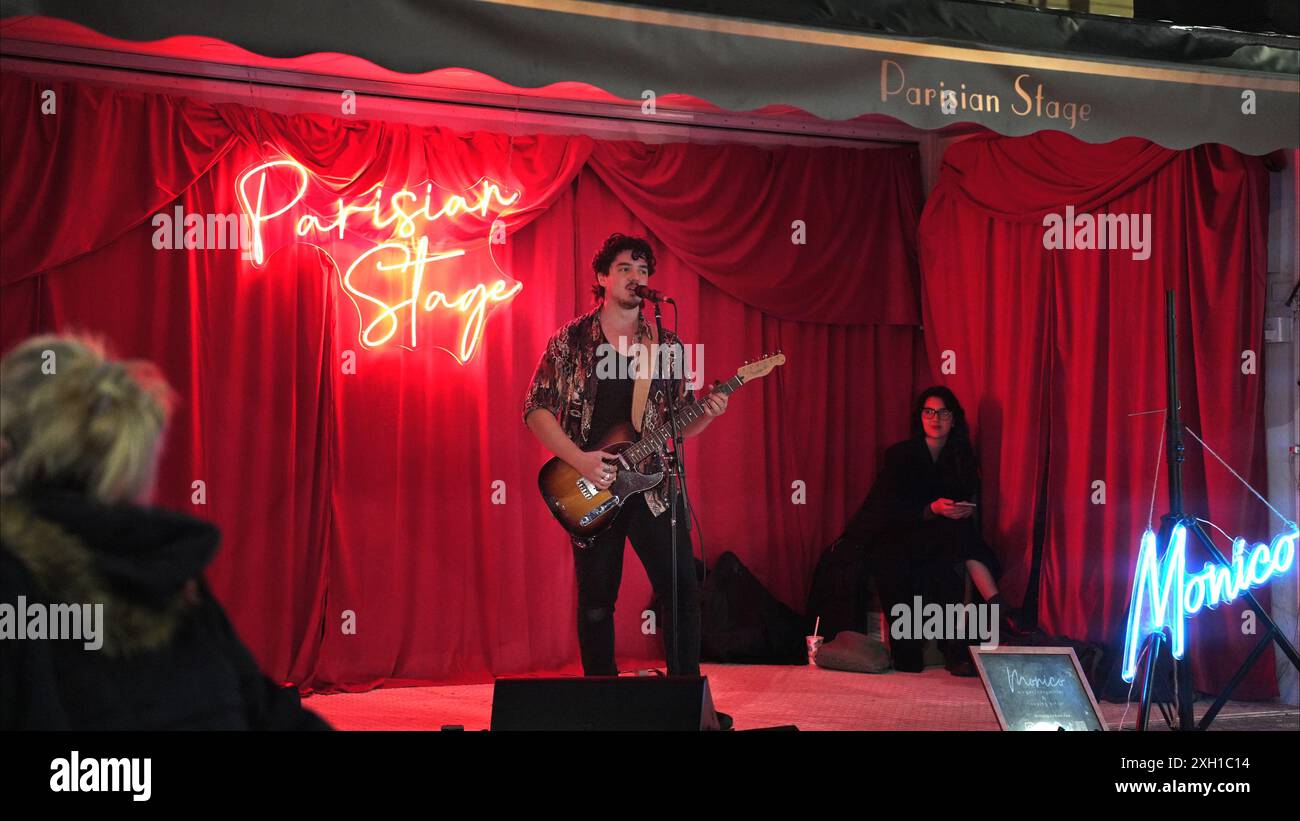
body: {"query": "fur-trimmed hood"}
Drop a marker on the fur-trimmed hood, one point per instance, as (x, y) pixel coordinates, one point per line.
(136, 561)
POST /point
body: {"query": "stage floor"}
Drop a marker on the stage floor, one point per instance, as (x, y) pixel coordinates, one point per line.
(760, 696)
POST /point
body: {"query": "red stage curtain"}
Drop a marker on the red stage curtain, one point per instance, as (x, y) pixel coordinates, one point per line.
(64, 193)
(63, 199)
(736, 211)
(1054, 349)
(368, 496)
(254, 353)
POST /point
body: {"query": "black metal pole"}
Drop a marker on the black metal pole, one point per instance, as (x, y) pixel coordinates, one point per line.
(1261, 613)
(672, 653)
(1174, 436)
(1154, 643)
(1272, 634)
(1173, 421)
(1255, 653)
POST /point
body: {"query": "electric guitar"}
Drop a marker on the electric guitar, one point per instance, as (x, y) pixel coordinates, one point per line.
(585, 510)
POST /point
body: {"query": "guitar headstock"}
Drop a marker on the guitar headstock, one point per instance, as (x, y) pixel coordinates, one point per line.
(760, 368)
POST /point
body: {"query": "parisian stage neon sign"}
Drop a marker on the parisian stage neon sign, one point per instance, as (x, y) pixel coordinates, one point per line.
(396, 229)
(1165, 596)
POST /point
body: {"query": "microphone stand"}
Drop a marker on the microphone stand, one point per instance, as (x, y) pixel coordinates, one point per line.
(676, 474)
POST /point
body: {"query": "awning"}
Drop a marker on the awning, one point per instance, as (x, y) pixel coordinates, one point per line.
(836, 61)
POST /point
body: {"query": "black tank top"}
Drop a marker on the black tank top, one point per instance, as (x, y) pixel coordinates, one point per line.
(613, 400)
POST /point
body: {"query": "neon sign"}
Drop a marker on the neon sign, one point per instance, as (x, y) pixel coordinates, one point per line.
(1164, 595)
(395, 227)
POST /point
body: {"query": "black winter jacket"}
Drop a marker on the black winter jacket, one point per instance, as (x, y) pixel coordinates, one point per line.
(169, 659)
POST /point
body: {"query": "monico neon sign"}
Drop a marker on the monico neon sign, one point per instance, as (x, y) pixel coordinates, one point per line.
(1165, 595)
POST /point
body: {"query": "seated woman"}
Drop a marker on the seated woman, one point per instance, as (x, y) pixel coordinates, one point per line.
(79, 441)
(920, 529)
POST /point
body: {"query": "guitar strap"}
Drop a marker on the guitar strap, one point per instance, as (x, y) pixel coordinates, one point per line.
(645, 364)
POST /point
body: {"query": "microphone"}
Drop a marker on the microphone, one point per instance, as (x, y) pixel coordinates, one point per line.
(650, 294)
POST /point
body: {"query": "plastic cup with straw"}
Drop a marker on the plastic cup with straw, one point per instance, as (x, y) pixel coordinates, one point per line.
(814, 641)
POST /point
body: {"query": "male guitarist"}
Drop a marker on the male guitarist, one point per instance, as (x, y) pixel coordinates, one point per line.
(572, 404)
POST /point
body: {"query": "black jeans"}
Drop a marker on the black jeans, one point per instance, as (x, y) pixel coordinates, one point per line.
(936, 579)
(600, 571)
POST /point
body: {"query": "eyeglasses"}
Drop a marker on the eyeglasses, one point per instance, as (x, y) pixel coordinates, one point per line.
(942, 413)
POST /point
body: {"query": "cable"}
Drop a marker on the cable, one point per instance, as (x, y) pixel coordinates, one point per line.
(1210, 450)
(1216, 527)
(699, 529)
(1128, 699)
(1165, 710)
(1169, 716)
(1155, 481)
(1166, 714)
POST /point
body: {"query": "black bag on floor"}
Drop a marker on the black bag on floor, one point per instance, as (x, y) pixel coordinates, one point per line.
(1118, 690)
(840, 593)
(741, 622)
(1092, 656)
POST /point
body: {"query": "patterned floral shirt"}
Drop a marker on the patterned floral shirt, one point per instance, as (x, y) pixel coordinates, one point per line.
(565, 384)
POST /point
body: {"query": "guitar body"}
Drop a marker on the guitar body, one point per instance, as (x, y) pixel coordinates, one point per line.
(585, 510)
(578, 505)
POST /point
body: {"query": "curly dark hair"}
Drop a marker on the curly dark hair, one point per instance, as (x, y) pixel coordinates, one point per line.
(614, 245)
(960, 430)
(958, 448)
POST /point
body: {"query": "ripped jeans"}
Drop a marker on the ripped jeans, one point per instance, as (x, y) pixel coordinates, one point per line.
(600, 571)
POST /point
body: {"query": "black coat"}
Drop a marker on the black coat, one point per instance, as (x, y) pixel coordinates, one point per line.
(170, 658)
(893, 522)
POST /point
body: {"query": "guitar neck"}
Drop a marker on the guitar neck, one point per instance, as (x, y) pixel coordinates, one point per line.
(655, 438)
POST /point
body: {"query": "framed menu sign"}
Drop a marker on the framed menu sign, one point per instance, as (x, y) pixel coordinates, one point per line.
(1037, 688)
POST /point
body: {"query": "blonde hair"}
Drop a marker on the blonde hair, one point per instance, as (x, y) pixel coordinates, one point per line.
(71, 417)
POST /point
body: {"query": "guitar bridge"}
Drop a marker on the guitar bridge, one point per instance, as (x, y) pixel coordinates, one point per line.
(598, 511)
(587, 489)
